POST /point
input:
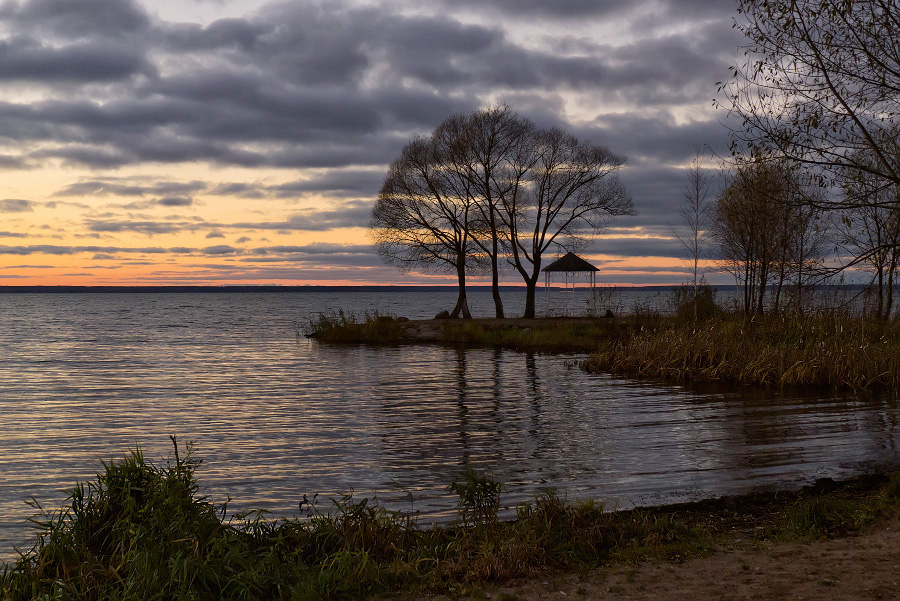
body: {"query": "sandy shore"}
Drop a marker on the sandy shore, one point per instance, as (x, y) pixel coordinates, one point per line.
(861, 566)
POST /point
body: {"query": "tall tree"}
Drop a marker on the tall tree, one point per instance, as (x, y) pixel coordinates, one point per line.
(563, 186)
(750, 225)
(422, 220)
(820, 84)
(871, 233)
(489, 184)
(479, 150)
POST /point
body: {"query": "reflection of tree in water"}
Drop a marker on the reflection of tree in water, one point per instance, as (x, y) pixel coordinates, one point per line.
(533, 384)
(528, 420)
(470, 412)
(461, 395)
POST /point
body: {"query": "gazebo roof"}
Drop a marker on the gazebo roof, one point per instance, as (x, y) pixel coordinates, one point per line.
(570, 262)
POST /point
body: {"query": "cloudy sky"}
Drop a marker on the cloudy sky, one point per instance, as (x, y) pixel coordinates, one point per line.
(243, 141)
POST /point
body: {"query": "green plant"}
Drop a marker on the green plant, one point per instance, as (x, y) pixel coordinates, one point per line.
(478, 498)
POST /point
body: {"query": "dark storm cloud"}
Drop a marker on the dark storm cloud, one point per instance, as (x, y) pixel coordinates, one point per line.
(657, 194)
(559, 9)
(80, 18)
(637, 247)
(657, 137)
(220, 34)
(318, 248)
(16, 205)
(221, 249)
(304, 86)
(50, 249)
(321, 262)
(699, 9)
(23, 59)
(99, 158)
(350, 214)
(239, 189)
(109, 187)
(336, 183)
(175, 201)
(346, 214)
(142, 227)
(13, 162)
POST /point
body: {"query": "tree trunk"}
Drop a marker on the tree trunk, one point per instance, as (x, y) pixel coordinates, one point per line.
(892, 272)
(462, 303)
(530, 295)
(879, 311)
(495, 282)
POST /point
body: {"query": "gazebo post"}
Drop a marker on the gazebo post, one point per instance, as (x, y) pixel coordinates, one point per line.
(547, 292)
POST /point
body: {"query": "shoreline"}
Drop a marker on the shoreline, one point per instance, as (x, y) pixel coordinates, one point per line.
(141, 527)
(832, 352)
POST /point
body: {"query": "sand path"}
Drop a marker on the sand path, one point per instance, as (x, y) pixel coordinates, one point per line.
(862, 566)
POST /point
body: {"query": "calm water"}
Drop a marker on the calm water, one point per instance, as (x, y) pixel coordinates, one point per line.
(85, 377)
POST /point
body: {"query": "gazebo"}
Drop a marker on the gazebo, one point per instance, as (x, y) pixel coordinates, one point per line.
(571, 265)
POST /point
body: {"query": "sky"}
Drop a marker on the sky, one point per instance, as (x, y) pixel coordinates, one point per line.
(209, 142)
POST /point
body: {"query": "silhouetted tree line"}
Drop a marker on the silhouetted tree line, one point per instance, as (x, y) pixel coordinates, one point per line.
(488, 188)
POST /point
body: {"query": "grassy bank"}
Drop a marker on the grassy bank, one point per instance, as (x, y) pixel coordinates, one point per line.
(831, 351)
(546, 335)
(140, 531)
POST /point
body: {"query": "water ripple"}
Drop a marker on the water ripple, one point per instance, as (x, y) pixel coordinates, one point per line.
(85, 377)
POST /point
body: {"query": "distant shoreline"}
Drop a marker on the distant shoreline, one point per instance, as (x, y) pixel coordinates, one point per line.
(314, 288)
(273, 288)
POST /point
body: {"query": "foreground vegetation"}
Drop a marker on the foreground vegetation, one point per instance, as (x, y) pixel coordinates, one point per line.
(140, 531)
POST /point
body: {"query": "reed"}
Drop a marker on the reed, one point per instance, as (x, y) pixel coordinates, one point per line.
(140, 531)
(342, 327)
(830, 350)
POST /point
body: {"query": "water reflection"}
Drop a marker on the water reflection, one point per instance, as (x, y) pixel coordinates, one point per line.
(275, 417)
(532, 420)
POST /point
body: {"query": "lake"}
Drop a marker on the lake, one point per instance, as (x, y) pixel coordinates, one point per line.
(85, 377)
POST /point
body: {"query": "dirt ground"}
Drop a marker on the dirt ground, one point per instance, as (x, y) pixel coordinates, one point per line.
(861, 566)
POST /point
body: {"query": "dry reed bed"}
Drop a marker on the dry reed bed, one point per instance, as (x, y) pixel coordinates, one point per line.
(832, 351)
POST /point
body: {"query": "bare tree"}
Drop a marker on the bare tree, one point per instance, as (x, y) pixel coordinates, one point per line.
(489, 184)
(820, 84)
(807, 239)
(423, 220)
(480, 150)
(871, 233)
(750, 226)
(695, 212)
(562, 186)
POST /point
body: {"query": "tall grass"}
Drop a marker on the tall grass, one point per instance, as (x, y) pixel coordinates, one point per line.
(340, 326)
(141, 532)
(829, 350)
(550, 335)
